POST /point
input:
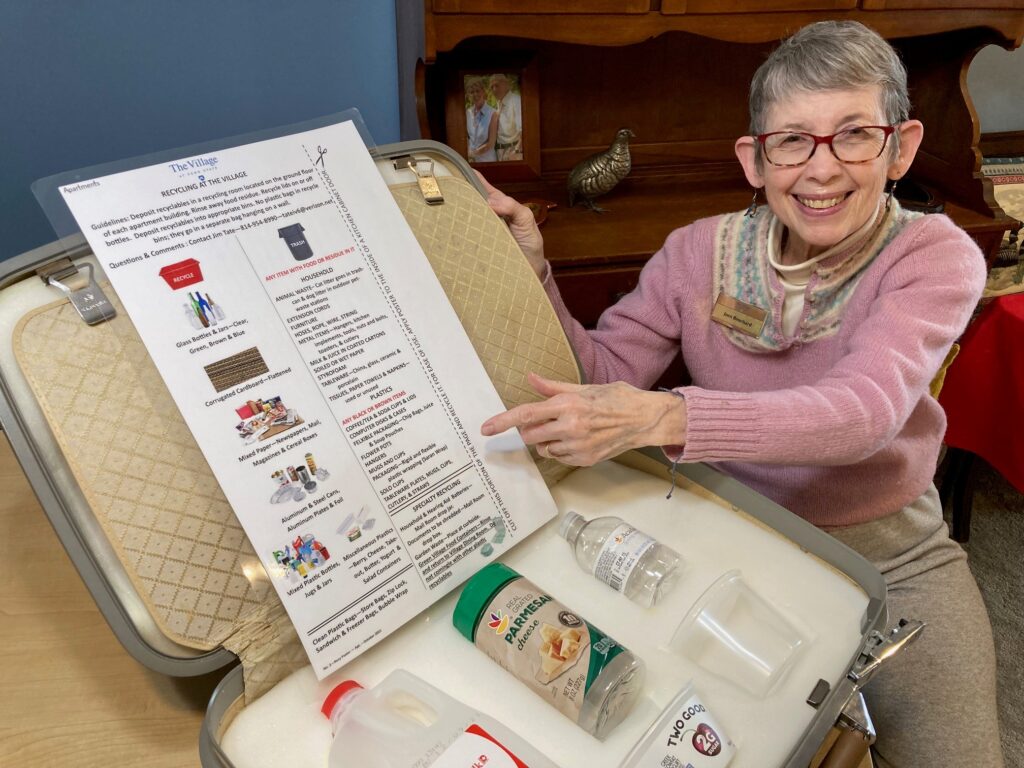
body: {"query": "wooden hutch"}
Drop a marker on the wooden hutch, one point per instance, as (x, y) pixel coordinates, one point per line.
(677, 72)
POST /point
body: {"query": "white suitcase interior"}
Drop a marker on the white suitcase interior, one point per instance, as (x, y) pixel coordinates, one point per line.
(827, 607)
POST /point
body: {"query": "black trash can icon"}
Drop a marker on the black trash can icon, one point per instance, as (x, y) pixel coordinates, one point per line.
(294, 236)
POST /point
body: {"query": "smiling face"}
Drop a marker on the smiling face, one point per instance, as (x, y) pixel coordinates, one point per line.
(824, 201)
(499, 87)
(476, 94)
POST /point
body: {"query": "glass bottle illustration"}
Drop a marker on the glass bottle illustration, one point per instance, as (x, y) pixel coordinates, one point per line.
(193, 318)
(205, 308)
(215, 308)
(199, 312)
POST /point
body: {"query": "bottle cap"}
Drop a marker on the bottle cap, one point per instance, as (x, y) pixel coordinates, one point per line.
(477, 594)
(570, 526)
(336, 695)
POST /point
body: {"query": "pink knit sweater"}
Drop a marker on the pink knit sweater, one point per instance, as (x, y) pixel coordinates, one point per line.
(840, 429)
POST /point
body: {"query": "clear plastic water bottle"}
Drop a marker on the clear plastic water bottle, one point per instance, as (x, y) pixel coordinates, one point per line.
(404, 722)
(624, 558)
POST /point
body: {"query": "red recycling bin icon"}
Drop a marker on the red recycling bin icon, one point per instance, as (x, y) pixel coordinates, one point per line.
(182, 273)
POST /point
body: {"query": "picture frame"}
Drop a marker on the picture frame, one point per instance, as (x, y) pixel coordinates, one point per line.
(504, 91)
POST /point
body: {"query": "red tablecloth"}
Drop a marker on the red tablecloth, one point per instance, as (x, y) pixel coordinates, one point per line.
(983, 395)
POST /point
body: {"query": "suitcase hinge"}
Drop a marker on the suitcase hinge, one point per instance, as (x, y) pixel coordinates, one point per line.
(89, 301)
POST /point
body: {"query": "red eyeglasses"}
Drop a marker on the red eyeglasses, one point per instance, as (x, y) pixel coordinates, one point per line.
(859, 144)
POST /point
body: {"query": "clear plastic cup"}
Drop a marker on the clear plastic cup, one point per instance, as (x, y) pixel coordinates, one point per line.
(737, 635)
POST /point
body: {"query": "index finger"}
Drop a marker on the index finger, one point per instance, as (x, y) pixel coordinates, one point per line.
(502, 204)
(495, 197)
(519, 416)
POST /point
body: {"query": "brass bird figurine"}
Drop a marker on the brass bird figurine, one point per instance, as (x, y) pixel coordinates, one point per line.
(598, 174)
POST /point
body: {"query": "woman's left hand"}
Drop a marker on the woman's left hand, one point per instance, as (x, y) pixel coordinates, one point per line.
(521, 224)
(582, 424)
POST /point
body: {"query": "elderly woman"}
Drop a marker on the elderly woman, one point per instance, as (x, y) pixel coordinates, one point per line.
(811, 328)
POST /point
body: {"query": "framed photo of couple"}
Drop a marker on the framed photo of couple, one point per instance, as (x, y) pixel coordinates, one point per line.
(492, 119)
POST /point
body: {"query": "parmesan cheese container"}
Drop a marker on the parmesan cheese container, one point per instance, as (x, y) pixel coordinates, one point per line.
(586, 675)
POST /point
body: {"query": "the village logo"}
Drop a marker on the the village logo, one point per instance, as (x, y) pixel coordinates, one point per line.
(195, 166)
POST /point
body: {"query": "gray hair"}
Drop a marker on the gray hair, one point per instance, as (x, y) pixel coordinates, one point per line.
(828, 56)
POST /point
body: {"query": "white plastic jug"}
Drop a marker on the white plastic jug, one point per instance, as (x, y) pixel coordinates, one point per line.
(405, 722)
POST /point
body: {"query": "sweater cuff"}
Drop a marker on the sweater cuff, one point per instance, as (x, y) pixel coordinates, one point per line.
(555, 297)
(546, 278)
(720, 426)
(673, 452)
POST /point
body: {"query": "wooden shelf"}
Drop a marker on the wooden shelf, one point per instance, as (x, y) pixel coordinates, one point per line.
(641, 212)
(447, 30)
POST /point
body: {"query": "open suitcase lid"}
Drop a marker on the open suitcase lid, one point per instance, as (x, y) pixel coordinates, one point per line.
(69, 507)
(52, 480)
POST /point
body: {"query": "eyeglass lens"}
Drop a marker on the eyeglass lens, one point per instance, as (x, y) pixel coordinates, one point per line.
(852, 146)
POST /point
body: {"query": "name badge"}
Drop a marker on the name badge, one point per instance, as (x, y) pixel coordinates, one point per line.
(738, 315)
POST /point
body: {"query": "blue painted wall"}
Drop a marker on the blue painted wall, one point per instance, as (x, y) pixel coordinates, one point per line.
(83, 83)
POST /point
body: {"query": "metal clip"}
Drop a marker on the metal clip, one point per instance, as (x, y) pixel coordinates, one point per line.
(90, 302)
(881, 648)
(429, 187)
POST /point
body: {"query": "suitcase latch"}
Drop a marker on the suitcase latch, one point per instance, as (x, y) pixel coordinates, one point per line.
(429, 187)
(880, 648)
(89, 301)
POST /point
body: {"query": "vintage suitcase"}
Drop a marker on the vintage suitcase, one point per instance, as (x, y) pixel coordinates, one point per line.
(131, 499)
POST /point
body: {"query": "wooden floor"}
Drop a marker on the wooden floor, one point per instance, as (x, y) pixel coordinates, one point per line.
(71, 695)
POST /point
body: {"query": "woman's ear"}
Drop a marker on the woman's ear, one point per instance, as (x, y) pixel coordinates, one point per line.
(911, 133)
(746, 152)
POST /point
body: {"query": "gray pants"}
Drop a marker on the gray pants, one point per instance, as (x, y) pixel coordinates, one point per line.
(934, 704)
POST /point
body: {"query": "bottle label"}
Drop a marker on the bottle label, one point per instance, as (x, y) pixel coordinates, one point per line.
(545, 645)
(688, 735)
(476, 748)
(622, 551)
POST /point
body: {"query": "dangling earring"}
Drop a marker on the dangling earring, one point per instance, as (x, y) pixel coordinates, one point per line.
(751, 211)
(888, 198)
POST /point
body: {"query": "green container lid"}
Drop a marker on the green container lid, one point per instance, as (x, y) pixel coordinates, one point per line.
(477, 594)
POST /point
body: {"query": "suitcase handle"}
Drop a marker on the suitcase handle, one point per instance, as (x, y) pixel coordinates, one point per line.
(848, 751)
